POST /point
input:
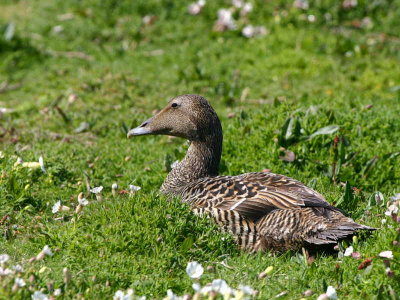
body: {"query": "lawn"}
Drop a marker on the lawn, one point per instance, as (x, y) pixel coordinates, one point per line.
(316, 98)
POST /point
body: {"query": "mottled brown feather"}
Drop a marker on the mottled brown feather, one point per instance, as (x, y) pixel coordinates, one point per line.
(263, 211)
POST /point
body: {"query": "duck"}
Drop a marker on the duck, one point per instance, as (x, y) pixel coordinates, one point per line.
(263, 211)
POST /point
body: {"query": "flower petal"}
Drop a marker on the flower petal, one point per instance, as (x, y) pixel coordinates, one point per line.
(194, 269)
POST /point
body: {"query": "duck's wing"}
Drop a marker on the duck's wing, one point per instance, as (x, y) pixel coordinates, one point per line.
(253, 194)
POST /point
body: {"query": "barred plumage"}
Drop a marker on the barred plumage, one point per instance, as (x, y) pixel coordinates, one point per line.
(263, 211)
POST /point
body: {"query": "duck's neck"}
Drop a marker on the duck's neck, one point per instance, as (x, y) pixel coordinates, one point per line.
(201, 160)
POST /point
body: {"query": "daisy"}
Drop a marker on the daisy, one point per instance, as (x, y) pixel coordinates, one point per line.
(4, 258)
(5, 271)
(194, 270)
(19, 282)
(220, 286)
(246, 9)
(45, 251)
(247, 290)
(386, 254)
(133, 189)
(348, 251)
(38, 295)
(331, 293)
(18, 268)
(97, 191)
(56, 207)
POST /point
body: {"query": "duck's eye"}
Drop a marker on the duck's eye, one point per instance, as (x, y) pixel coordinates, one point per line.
(174, 105)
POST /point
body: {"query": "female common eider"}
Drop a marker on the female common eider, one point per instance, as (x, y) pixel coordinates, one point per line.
(263, 211)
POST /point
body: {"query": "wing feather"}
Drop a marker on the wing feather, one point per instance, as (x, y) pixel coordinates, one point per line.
(253, 195)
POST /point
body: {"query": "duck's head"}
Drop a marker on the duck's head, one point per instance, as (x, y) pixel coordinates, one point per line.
(187, 116)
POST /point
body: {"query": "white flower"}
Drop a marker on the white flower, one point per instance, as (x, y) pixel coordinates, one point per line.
(386, 254)
(20, 282)
(120, 295)
(331, 293)
(349, 3)
(392, 209)
(247, 290)
(134, 188)
(311, 18)
(194, 9)
(58, 29)
(251, 31)
(237, 3)
(172, 296)
(46, 250)
(194, 269)
(247, 7)
(57, 292)
(225, 18)
(18, 268)
(348, 251)
(220, 286)
(56, 207)
(4, 258)
(206, 289)
(303, 4)
(5, 271)
(83, 201)
(41, 163)
(38, 295)
(96, 190)
(196, 286)
(395, 197)
(248, 31)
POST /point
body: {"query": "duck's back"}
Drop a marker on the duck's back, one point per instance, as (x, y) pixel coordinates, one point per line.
(252, 194)
(269, 211)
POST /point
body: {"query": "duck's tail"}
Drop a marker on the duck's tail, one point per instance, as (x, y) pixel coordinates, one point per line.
(338, 227)
(292, 229)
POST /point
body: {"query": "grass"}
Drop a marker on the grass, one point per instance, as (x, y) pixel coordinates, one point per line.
(108, 69)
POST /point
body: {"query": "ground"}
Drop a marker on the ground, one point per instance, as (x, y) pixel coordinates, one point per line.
(76, 75)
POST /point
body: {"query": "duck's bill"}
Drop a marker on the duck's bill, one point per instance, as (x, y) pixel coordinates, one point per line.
(138, 131)
(143, 129)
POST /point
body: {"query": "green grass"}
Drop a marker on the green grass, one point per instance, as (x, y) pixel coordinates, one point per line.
(329, 72)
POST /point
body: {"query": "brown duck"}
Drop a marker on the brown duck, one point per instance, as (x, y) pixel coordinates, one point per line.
(261, 210)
